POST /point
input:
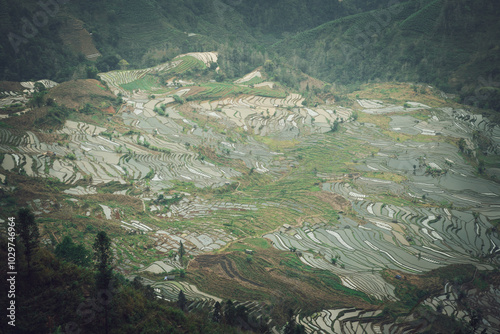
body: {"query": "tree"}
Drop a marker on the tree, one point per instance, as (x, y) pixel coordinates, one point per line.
(107, 63)
(230, 313)
(481, 168)
(182, 301)
(87, 109)
(37, 99)
(50, 102)
(461, 144)
(335, 126)
(29, 233)
(103, 259)
(92, 72)
(102, 251)
(290, 325)
(213, 65)
(242, 313)
(269, 66)
(178, 99)
(475, 214)
(182, 252)
(69, 251)
(216, 316)
(137, 282)
(354, 116)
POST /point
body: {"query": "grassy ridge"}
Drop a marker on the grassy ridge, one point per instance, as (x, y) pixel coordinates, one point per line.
(276, 277)
(188, 63)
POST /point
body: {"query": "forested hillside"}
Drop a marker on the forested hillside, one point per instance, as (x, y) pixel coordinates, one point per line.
(451, 44)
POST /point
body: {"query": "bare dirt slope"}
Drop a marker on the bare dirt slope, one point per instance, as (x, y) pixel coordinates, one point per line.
(78, 39)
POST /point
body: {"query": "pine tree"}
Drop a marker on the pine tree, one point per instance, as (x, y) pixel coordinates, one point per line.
(103, 259)
(29, 233)
(182, 301)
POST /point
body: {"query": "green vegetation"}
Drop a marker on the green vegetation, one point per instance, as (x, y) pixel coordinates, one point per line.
(268, 273)
(414, 44)
(131, 307)
(220, 90)
(435, 172)
(428, 39)
(69, 251)
(162, 200)
(55, 117)
(189, 65)
(424, 20)
(253, 81)
(146, 83)
(322, 39)
(28, 233)
(178, 99)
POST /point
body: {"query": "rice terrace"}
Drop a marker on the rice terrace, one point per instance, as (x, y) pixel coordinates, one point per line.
(246, 182)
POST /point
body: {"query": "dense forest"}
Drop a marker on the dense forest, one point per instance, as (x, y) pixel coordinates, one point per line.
(451, 44)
